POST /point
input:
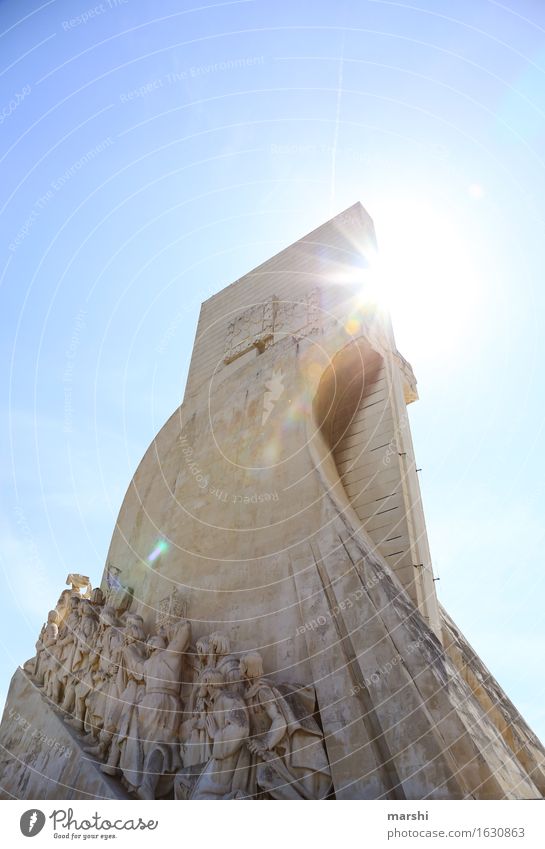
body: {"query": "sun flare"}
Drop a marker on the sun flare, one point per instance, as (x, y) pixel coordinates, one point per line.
(426, 277)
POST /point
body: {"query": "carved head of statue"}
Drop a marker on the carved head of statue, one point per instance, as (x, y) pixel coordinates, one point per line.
(251, 666)
(171, 628)
(134, 629)
(53, 617)
(97, 597)
(219, 644)
(87, 608)
(203, 647)
(74, 603)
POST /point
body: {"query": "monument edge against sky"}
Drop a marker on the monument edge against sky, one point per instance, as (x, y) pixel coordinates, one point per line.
(273, 536)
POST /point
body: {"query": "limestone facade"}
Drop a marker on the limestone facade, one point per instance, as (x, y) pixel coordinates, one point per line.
(267, 624)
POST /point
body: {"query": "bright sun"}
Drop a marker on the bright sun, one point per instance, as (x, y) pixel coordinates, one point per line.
(426, 277)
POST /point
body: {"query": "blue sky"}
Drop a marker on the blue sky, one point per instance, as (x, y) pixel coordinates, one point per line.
(150, 155)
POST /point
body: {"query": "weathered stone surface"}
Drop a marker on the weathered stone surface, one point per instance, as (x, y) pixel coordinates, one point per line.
(524, 744)
(40, 756)
(268, 625)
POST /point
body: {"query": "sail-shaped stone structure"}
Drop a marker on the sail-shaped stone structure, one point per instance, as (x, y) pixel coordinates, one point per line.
(278, 515)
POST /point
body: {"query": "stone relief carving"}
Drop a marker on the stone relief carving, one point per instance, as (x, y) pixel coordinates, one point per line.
(81, 684)
(104, 666)
(169, 718)
(97, 597)
(65, 650)
(58, 617)
(38, 666)
(253, 328)
(170, 610)
(256, 326)
(196, 743)
(225, 775)
(63, 605)
(156, 750)
(130, 686)
(118, 595)
(104, 701)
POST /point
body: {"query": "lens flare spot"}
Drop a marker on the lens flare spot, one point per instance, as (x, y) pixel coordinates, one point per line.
(352, 326)
(161, 548)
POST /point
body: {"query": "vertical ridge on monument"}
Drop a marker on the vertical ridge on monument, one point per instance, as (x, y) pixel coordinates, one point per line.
(267, 625)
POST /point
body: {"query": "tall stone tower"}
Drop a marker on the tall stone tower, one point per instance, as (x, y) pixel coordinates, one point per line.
(280, 506)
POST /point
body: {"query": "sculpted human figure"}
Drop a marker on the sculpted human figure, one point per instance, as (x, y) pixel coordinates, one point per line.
(67, 644)
(51, 671)
(104, 704)
(196, 742)
(78, 684)
(153, 750)
(47, 639)
(289, 758)
(226, 773)
(199, 665)
(213, 652)
(108, 641)
(97, 598)
(220, 658)
(130, 684)
(80, 584)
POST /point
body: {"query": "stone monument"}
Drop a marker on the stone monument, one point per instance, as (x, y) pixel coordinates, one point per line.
(268, 625)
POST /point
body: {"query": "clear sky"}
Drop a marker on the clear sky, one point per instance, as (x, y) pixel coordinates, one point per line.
(153, 153)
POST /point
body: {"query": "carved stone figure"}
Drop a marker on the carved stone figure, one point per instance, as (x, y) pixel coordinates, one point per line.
(244, 737)
(63, 606)
(196, 742)
(220, 658)
(226, 773)
(213, 652)
(67, 645)
(130, 684)
(154, 748)
(170, 610)
(97, 597)
(81, 684)
(102, 666)
(199, 662)
(118, 595)
(47, 639)
(104, 704)
(78, 583)
(289, 760)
